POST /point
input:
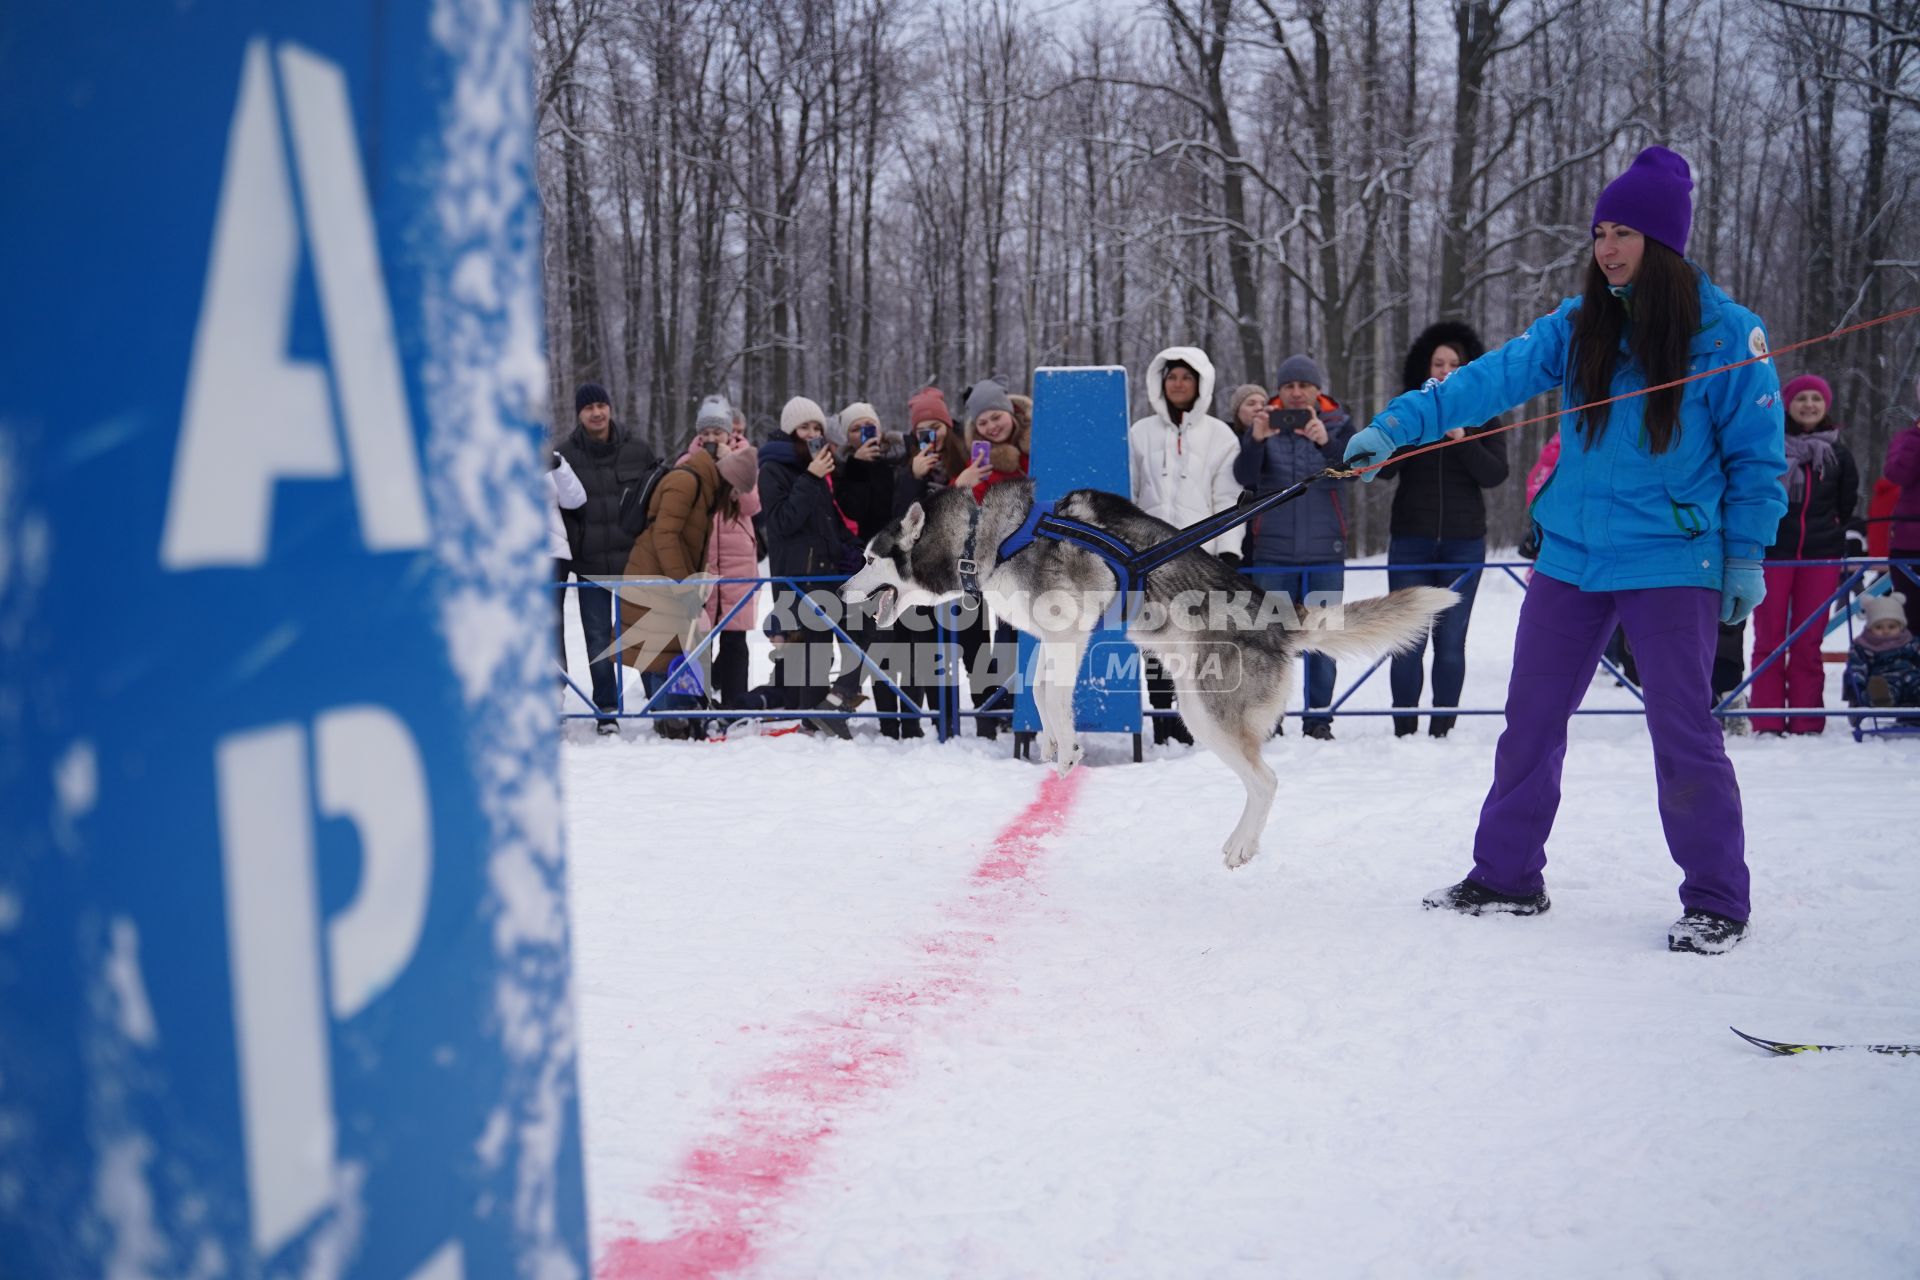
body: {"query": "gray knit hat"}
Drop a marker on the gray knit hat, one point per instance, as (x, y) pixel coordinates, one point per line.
(1239, 397)
(714, 413)
(984, 395)
(1300, 368)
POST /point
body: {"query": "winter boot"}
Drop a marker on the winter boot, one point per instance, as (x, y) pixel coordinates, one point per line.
(1171, 729)
(1737, 726)
(1705, 932)
(1471, 898)
(837, 700)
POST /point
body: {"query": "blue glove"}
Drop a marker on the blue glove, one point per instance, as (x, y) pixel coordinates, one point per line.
(1368, 446)
(1743, 586)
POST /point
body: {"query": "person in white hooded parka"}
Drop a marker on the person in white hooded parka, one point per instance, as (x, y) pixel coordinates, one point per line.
(1180, 458)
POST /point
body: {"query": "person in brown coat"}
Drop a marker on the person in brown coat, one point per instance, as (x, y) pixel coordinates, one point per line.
(657, 619)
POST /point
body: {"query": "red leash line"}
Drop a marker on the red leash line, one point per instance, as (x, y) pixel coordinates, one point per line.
(1399, 456)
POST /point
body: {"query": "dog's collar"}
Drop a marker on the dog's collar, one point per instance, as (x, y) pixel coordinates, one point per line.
(969, 571)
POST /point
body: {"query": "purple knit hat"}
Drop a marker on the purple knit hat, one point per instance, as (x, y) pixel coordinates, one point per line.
(1654, 197)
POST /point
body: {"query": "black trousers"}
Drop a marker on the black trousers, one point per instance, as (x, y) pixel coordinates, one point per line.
(989, 655)
(730, 669)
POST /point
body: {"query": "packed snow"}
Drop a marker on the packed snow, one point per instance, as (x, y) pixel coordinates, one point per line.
(898, 1010)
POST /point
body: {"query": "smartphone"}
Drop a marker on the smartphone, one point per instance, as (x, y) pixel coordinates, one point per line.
(867, 432)
(1289, 420)
(926, 436)
(982, 453)
(815, 445)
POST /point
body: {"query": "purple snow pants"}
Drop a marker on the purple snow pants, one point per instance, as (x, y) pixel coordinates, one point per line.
(1673, 631)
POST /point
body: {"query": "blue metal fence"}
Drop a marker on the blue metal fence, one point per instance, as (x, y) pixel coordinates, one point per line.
(1860, 577)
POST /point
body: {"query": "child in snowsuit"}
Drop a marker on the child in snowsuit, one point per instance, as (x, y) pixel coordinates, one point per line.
(1883, 666)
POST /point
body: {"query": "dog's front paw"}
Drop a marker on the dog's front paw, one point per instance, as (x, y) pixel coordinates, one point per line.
(1240, 851)
(1069, 756)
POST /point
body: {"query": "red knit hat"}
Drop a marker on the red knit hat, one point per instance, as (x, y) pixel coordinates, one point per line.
(928, 404)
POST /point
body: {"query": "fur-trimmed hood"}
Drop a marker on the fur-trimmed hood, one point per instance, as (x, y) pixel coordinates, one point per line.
(1447, 333)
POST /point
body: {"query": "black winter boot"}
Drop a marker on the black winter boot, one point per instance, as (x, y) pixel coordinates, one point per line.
(1471, 898)
(1705, 933)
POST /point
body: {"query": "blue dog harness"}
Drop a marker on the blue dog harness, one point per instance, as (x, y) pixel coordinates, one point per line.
(1041, 522)
(1128, 563)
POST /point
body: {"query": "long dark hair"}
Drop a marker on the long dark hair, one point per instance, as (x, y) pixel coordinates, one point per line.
(1666, 315)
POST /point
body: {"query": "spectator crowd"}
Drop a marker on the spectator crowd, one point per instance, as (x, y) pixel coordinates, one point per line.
(723, 516)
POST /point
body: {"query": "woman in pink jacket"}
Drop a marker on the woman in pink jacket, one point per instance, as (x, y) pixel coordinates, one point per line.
(731, 553)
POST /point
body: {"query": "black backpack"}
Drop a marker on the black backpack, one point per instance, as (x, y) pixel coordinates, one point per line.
(636, 500)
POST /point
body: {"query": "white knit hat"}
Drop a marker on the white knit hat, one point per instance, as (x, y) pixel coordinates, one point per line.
(798, 412)
(1888, 608)
(855, 414)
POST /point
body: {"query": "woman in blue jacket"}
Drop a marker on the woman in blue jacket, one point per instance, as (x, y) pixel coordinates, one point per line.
(1656, 518)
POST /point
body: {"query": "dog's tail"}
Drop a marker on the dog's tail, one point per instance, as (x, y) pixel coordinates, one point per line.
(1365, 629)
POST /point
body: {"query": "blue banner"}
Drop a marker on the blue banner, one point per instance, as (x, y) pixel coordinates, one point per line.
(284, 978)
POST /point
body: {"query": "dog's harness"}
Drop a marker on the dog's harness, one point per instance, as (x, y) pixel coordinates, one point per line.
(1129, 564)
(1041, 522)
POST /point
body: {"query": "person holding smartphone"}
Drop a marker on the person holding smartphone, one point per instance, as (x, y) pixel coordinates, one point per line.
(863, 486)
(805, 536)
(999, 436)
(935, 455)
(863, 479)
(1248, 402)
(997, 440)
(1299, 549)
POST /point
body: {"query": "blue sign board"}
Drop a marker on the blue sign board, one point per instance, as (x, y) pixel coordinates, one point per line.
(1080, 442)
(284, 979)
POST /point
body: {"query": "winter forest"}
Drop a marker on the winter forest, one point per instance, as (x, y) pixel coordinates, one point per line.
(848, 199)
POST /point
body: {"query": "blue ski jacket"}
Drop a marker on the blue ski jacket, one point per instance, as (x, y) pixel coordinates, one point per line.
(1619, 517)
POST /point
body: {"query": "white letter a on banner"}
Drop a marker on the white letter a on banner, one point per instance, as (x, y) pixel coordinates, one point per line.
(254, 416)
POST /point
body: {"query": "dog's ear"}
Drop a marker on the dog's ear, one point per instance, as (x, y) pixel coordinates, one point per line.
(911, 524)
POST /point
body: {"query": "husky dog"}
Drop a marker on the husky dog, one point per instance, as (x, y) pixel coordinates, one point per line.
(1057, 592)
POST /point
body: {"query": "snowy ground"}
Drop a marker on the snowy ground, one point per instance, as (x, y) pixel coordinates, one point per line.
(838, 1018)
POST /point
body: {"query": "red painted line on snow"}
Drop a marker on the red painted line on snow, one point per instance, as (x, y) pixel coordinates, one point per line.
(774, 1128)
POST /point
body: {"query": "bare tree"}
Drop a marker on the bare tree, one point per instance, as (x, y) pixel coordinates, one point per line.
(850, 198)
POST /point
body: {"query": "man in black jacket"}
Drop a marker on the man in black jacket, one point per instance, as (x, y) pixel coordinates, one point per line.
(610, 460)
